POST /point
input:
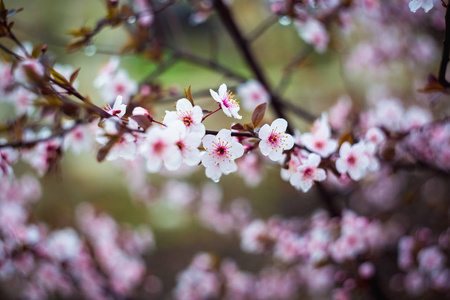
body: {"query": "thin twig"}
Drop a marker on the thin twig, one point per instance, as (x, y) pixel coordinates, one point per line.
(262, 27)
(288, 71)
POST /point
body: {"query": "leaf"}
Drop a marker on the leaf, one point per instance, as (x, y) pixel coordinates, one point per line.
(103, 151)
(258, 114)
(432, 85)
(249, 127)
(75, 45)
(188, 94)
(58, 77)
(237, 126)
(74, 76)
(347, 137)
(38, 50)
(143, 121)
(80, 32)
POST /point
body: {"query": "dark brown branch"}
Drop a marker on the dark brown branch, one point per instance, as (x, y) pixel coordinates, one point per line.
(6, 50)
(243, 46)
(445, 52)
(32, 143)
(240, 134)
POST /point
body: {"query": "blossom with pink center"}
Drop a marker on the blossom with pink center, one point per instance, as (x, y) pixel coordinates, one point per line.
(160, 148)
(187, 142)
(375, 135)
(370, 151)
(226, 101)
(389, 113)
(307, 173)
(297, 159)
(107, 72)
(221, 151)
(29, 72)
(313, 32)
(253, 94)
(23, 100)
(274, 139)
(79, 139)
(64, 244)
(431, 259)
(191, 116)
(119, 84)
(415, 117)
(414, 5)
(339, 112)
(319, 139)
(253, 237)
(118, 108)
(352, 160)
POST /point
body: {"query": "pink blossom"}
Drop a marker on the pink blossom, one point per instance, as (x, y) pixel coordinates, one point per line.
(339, 112)
(191, 116)
(274, 139)
(226, 101)
(415, 117)
(313, 32)
(253, 237)
(366, 270)
(414, 5)
(221, 151)
(64, 244)
(352, 160)
(307, 173)
(119, 84)
(252, 94)
(319, 140)
(375, 135)
(118, 109)
(160, 148)
(430, 259)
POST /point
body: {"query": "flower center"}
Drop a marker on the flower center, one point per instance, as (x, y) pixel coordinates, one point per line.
(351, 160)
(308, 172)
(187, 121)
(229, 100)
(158, 147)
(319, 144)
(180, 145)
(274, 138)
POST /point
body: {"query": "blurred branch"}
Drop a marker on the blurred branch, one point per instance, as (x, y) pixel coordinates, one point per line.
(289, 69)
(243, 46)
(32, 143)
(445, 52)
(190, 57)
(164, 66)
(6, 50)
(262, 27)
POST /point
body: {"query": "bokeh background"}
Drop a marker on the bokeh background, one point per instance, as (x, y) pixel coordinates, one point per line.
(316, 85)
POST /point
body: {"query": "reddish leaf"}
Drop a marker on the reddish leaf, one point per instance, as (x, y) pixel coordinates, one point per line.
(74, 76)
(258, 114)
(188, 94)
(237, 126)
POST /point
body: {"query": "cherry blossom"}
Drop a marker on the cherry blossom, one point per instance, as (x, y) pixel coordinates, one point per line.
(313, 32)
(64, 244)
(187, 142)
(191, 116)
(307, 173)
(319, 140)
(275, 140)
(352, 160)
(414, 5)
(118, 108)
(160, 148)
(252, 94)
(221, 151)
(226, 101)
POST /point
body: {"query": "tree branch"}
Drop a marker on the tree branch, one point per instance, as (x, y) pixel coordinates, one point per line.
(445, 51)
